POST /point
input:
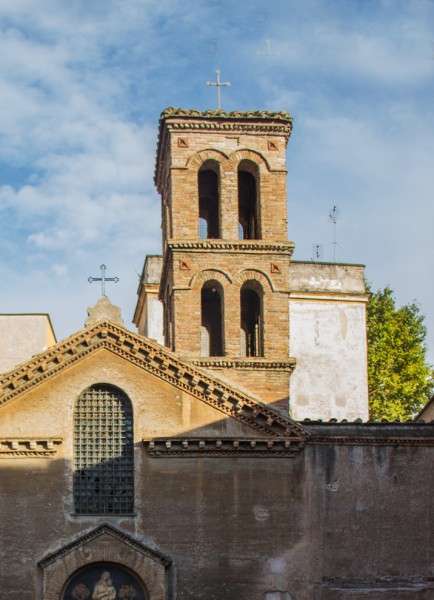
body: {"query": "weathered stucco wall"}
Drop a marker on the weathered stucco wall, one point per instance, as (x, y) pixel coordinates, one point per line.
(328, 338)
(340, 521)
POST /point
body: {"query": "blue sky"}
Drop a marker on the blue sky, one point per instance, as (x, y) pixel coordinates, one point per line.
(82, 85)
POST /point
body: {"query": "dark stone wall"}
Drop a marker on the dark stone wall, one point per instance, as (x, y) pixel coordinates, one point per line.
(338, 522)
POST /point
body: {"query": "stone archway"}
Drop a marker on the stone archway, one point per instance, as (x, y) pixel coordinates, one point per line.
(106, 548)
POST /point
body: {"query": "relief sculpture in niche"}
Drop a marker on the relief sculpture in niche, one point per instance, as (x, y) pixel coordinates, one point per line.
(104, 582)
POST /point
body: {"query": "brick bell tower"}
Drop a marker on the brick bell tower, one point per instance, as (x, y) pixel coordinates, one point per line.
(225, 274)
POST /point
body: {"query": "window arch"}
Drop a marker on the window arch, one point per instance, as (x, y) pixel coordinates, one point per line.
(212, 319)
(209, 204)
(248, 201)
(103, 452)
(251, 330)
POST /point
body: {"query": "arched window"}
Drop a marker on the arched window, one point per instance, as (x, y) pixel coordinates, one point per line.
(252, 343)
(103, 452)
(209, 210)
(248, 203)
(212, 319)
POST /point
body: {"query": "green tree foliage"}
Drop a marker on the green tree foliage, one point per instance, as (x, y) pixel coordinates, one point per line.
(400, 380)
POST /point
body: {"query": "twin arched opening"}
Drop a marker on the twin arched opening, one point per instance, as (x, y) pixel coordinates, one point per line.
(209, 194)
(212, 342)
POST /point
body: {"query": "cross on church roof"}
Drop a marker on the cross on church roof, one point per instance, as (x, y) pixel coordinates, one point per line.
(218, 84)
(103, 279)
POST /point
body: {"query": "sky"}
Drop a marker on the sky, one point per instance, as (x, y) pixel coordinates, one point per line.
(82, 85)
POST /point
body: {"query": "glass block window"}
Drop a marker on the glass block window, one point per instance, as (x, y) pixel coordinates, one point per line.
(103, 452)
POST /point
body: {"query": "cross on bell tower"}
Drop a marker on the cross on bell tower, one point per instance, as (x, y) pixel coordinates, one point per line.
(218, 84)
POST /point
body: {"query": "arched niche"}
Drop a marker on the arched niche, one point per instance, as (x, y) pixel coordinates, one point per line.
(106, 549)
(104, 581)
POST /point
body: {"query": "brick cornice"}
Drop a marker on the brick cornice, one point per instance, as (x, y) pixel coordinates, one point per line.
(157, 360)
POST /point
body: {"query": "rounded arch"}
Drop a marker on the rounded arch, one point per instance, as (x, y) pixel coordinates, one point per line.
(104, 580)
(103, 479)
(248, 155)
(254, 275)
(199, 279)
(196, 161)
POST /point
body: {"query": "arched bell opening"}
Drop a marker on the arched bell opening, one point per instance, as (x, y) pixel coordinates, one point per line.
(209, 200)
(251, 309)
(212, 335)
(248, 201)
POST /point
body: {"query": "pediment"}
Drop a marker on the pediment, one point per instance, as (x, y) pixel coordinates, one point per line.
(160, 362)
(105, 545)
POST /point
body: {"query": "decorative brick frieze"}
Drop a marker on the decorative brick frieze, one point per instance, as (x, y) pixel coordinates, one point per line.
(224, 446)
(29, 447)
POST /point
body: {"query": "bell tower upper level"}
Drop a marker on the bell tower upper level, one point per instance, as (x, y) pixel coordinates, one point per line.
(223, 175)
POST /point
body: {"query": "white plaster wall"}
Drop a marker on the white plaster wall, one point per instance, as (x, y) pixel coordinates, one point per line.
(154, 316)
(328, 340)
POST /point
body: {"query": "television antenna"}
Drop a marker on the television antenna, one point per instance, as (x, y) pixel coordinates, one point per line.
(333, 214)
(316, 252)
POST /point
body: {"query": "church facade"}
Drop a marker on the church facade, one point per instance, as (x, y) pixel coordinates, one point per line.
(173, 463)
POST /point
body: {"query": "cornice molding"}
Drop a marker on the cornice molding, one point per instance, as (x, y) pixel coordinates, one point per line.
(14, 447)
(157, 360)
(248, 363)
(321, 296)
(370, 433)
(364, 440)
(222, 114)
(254, 246)
(224, 446)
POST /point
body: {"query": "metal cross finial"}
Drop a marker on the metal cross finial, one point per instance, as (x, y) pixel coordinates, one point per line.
(218, 84)
(103, 278)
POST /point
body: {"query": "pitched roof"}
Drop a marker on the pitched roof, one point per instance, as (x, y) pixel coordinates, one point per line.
(157, 360)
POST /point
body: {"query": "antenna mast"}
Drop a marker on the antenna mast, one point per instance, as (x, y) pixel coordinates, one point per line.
(334, 217)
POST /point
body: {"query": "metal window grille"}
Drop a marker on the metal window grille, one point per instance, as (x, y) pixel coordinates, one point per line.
(103, 452)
